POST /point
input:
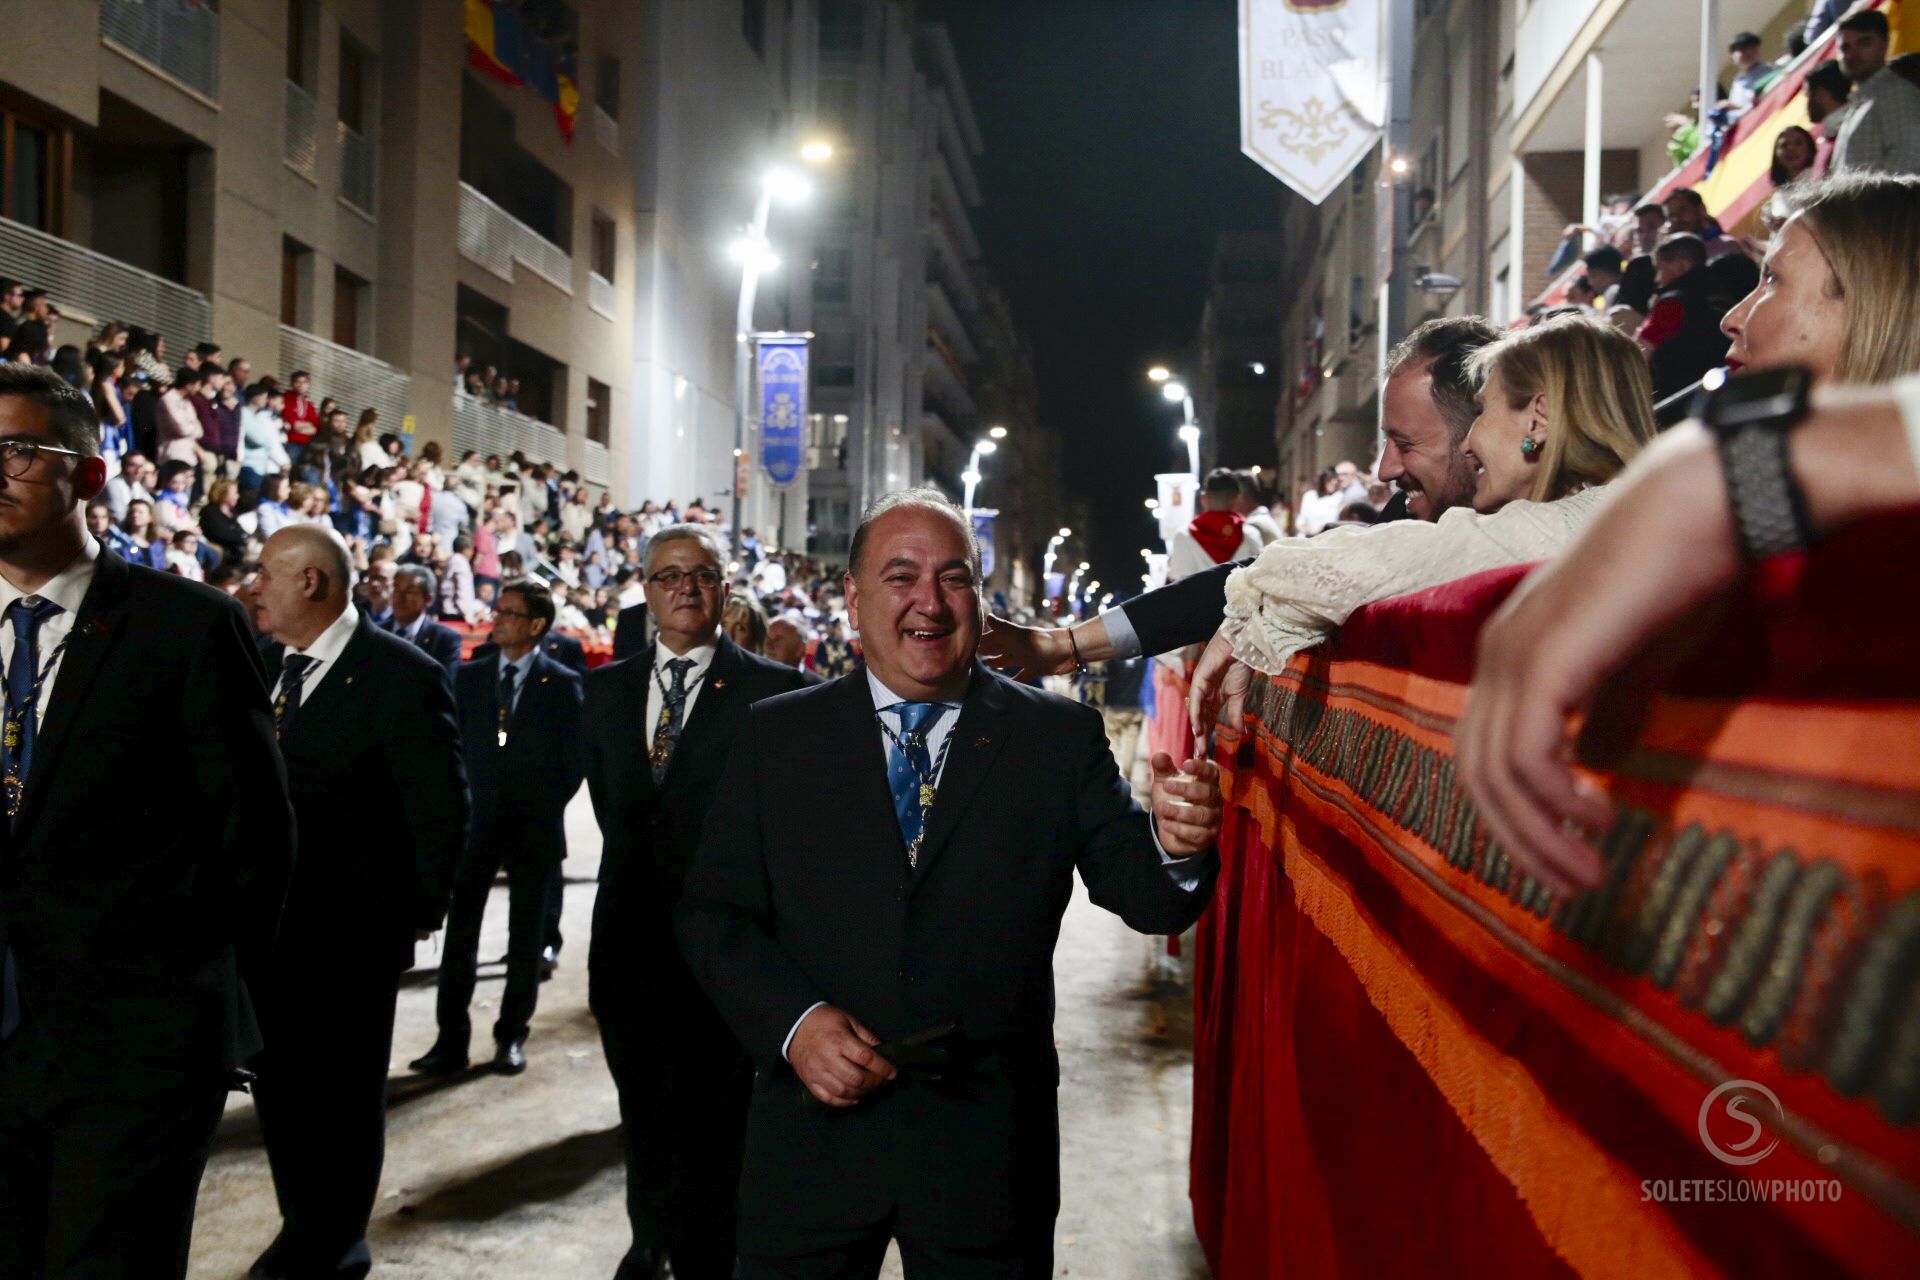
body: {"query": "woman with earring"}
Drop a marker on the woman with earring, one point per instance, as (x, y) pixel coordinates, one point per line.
(1564, 406)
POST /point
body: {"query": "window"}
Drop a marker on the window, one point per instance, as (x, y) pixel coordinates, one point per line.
(842, 26)
(299, 41)
(348, 295)
(353, 85)
(753, 25)
(295, 260)
(833, 275)
(599, 411)
(604, 251)
(507, 174)
(606, 85)
(33, 155)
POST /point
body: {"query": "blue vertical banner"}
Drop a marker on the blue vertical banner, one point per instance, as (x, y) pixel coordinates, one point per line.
(783, 407)
(983, 533)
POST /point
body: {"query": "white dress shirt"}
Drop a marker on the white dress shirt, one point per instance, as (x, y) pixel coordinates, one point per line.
(325, 652)
(66, 589)
(661, 680)
(411, 632)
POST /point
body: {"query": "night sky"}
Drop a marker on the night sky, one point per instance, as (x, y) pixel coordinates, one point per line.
(1112, 160)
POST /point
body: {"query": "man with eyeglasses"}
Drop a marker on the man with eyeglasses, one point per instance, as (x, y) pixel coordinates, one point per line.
(520, 735)
(131, 943)
(658, 728)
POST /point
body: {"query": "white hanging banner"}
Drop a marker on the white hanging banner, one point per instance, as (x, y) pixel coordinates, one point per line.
(1313, 95)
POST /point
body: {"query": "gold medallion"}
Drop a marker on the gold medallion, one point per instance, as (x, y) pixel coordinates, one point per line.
(926, 795)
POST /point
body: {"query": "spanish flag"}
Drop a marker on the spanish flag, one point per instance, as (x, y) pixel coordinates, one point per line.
(502, 44)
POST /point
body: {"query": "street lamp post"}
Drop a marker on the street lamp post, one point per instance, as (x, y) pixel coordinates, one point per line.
(1174, 388)
(971, 476)
(1046, 565)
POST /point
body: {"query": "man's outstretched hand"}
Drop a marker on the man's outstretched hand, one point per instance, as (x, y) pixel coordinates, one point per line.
(1186, 805)
(1029, 651)
(834, 1057)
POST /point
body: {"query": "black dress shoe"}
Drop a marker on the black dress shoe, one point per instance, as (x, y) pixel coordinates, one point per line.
(271, 1265)
(641, 1264)
(511, 1058)
(444, 1059)
(549, 961)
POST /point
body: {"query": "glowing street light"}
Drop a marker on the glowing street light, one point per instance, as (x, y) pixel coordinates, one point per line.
(1159, 373)
(997, 433)
(816, 151)
(1175, 389)
(971, 476)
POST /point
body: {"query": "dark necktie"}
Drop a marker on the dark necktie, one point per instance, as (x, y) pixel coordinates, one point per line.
(23, 681)
(507, 671)
(910, 771)
(286, 706)
(673, 711)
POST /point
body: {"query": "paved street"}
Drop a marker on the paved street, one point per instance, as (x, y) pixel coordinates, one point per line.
(486, 1175)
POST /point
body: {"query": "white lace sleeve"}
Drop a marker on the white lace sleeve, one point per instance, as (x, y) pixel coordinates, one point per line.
(1301, 589)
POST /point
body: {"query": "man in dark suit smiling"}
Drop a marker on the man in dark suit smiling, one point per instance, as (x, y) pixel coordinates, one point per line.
(887, 875)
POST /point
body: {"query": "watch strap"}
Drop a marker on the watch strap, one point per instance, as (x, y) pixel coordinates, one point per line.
(1769, 511)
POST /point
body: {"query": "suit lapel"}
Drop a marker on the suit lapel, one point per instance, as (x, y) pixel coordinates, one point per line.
(854, 736)
(101, 619)
(337, 683)
(976, 741)
(719, 688)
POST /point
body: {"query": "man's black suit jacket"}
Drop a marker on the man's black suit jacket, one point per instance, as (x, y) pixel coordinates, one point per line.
(630, 631)
(381, 797)
(438, 641)
(527, 783)
(562, 648)
(1189, 611)
(649, 833)
(802, 893)
(141, 893)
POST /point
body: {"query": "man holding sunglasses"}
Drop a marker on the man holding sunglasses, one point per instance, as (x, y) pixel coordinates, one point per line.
(131, 942)
(658, 728)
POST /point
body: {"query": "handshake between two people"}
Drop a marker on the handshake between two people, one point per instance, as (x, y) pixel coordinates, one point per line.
(840, 1061)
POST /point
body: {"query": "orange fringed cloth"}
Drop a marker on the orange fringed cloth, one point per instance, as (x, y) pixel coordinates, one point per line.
(1410, 1060)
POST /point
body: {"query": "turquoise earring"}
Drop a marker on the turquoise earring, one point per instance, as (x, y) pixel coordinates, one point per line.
(1528, 447)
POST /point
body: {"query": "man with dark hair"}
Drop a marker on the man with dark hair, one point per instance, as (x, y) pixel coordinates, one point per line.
(1216, 534)
(1752, 74)
(906, 1078)
(127, 977)
(658, 729)
(520, 736)
(1429, 406)
(1827, 92)
(299, 412)
(1681, 334)
(366, 725)
(1605, 267)
(12, 295)
(1881, 130)
(1251, 505)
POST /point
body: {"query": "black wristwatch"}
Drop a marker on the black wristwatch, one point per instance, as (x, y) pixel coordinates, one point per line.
(1750, 415)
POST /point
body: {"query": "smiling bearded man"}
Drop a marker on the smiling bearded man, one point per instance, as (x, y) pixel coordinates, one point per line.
(874, 909)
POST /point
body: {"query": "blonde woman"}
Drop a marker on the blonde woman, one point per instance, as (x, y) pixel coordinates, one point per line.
(745, 622)
(1564, 406)
(368, 451)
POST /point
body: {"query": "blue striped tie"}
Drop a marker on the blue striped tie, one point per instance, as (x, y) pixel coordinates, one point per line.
(22, 673)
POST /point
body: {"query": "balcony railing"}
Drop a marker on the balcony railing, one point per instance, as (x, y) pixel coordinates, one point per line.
(83, 282)
(606, 130)
(597, 464)
(356, 169)
(354, 378)
(494, 239)
(179, 37)
(300, 147)
(600, 295)
(478, 424)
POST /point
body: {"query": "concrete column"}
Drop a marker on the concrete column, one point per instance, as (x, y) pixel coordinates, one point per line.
(1516, 237)
(1590, 193)
(1709, 60)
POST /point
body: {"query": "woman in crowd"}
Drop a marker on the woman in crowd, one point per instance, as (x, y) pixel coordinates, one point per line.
(272, 512)
(368, 451)
(115, 432)
(174, 508)
(1564, 406)
(576, 517)
(220, 522)
(137, 525)
(1793, 156)
(1836, 298)
(744, 622)
(431, 472)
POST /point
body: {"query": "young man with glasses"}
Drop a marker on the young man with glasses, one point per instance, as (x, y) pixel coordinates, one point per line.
(658, 728)
(131, 944)
(520, 736)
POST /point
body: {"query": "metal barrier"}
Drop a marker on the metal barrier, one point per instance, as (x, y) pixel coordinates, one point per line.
(606, 130)
(490, 429)
(300, 146)
(356, 169)
(180, 37)
(354, 378)
(597, 464)
(93, 286)
(494, 239)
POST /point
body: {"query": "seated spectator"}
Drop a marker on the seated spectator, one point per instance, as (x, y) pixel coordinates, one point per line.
(1564, 406)
(220, 522)
(1605, 267)
(1881, 131)
(174, 510)
(273, 512)
(138, 531)
(100, 524)
(1682, 333)
(1794, 155)
(127, 486)
(182, 556)
(1685, 139)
